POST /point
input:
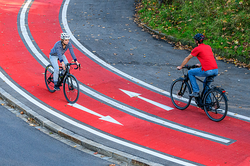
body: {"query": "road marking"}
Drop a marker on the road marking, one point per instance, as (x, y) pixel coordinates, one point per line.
(148, 151)
(26, 36)
(86, 51)
(110, 138)
(238, 116)
(166, 123)
(106, 118)
(133, 94)
(133, 79)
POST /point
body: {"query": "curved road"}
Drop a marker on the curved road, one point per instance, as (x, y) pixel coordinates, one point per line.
(108, 29)
(23, 145)
(118, 59)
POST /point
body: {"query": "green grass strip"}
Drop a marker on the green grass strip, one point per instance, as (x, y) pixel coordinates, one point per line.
(225, 23)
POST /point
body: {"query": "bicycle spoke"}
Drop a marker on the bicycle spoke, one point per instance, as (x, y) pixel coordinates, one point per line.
(71, 89)
(48, 76)
(180, 94)
(216, 105)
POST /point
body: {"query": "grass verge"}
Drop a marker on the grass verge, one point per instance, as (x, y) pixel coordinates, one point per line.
(225, 23)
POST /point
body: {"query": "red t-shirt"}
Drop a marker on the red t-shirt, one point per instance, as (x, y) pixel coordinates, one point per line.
(205, 55)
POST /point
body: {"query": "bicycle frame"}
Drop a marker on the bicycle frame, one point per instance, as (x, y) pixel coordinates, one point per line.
(212, 99)
(67, 71)
(206, 88)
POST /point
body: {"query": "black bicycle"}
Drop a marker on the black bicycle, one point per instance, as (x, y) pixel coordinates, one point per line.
(212, 100)
(69, 82)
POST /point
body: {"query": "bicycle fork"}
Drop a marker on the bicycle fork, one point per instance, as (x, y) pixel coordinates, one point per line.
(182, 90)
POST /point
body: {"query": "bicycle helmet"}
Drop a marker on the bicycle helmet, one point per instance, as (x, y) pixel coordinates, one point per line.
(199, 37)
(65, 36)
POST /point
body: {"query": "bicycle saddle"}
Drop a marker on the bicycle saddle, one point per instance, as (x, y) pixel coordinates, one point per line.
(210, 79)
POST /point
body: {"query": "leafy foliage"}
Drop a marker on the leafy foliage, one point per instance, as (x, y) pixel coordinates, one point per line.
(225, 23)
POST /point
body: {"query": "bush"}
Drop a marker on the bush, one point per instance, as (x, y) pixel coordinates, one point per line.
(225, 23)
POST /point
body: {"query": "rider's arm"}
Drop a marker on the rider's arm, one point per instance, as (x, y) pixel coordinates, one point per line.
(185, 61)
(72, 52)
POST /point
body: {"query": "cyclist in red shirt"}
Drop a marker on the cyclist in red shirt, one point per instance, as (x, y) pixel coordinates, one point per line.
(208, 66)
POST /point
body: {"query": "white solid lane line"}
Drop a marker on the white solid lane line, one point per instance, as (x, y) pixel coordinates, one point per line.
(26, 36)
(126, 108)
(32, 100)
(159, 121)
(45, 108)
(133, 79)
(165, 157)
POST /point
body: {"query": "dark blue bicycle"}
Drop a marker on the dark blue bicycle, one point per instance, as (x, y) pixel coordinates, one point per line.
(212, 100)
(69, 82)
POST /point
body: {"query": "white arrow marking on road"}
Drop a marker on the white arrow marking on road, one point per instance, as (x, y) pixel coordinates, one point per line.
(133, 94)
(106, 118)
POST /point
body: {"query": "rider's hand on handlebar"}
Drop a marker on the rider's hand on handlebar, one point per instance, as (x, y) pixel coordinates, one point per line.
(179, 67)
(63, 65)
(198, 65)
(78, 64)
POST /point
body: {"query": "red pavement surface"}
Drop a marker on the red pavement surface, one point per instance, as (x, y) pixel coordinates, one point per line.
(45, 28)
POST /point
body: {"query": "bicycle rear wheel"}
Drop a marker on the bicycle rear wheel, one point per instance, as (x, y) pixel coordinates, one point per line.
(48, 76)
(71, 88)
(179, 94)
(215, 103)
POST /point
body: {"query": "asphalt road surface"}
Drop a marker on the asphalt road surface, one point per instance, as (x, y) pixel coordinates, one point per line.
(145, 125)
(24, 145)
(108, 29)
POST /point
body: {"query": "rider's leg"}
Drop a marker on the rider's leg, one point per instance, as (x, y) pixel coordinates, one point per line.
(54, 62)
(65, 59)
(214, 73)
(191, 74)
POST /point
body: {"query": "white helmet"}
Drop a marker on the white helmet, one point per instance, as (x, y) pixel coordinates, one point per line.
(65, 36)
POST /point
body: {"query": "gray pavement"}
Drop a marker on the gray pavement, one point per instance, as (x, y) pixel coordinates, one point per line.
(107, 28)
(25, 144)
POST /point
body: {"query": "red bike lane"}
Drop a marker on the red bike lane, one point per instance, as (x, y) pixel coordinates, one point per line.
(106, 82)
(20, 65)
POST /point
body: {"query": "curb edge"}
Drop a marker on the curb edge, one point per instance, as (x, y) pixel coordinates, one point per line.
(86, 143)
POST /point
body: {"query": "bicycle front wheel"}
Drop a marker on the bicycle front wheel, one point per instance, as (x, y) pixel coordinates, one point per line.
(71, 88)
(215, 105)
(179, 94)
(48, 76)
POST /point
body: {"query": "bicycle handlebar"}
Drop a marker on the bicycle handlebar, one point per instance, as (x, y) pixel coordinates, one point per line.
(69, 64)
(190, 67)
